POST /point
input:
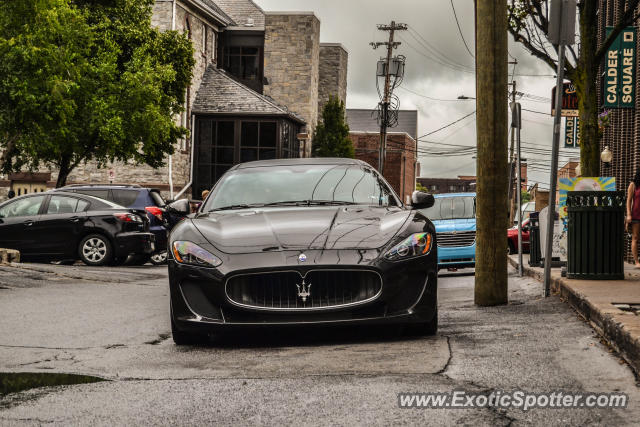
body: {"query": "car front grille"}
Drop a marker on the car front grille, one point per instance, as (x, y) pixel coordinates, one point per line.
(456, 239)
(322, 289)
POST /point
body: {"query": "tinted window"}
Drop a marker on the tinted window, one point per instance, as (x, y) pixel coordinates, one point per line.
(100, 194)
(65, 204)
(23, 207)
(262, 185)
(125, 197)
(452, 208)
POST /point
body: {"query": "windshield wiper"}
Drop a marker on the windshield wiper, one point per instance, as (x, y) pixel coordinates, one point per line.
(231, 207)
(309, 203)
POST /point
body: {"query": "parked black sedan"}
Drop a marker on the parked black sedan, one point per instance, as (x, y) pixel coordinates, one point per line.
(303, 241)
(61, 226)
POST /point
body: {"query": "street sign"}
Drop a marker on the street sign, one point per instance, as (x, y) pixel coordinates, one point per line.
(570, 132)
(619, 74)
(562, 22)
(569, 101)
(112, 175)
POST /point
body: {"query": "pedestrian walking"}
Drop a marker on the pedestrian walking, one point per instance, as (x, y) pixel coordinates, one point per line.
(633, 215)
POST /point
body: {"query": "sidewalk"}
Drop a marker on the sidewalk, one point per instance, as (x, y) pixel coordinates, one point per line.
(594, 299)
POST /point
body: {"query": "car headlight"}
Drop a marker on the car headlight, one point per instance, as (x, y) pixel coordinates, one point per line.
(189, 253)
(415, 245)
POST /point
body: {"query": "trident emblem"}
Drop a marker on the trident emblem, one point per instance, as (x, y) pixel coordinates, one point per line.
(304, 291)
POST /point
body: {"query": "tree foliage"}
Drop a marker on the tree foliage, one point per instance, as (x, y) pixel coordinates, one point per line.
(88, 80)
(529, 25)
(422, 188)
(331, 137)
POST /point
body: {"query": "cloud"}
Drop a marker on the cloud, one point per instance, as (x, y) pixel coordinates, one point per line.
(438, 66)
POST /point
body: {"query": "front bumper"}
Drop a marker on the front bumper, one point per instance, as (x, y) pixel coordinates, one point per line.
(462, 256)
(199, 301)
(134, 243)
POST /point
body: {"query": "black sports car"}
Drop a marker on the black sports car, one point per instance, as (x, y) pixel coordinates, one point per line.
(303, 241)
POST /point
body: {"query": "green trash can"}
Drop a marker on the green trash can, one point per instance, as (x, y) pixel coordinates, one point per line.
(595, 237)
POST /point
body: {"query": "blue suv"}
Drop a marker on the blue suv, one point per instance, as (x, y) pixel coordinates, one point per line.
(454, 216)
(148, 200)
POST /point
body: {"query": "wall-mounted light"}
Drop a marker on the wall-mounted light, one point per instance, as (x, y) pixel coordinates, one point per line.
(606, 156)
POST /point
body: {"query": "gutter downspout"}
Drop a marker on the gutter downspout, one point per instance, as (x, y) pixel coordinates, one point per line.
(173, 28)
(192, 155)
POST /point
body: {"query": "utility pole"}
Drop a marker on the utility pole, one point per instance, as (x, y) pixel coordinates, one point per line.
(384, 104)
(561, 33)
(491, 105)
(512, 205)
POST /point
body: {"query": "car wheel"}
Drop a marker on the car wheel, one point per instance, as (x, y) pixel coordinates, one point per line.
(185, 338)
(95, 249)
(159, 258)
(510, 249)
(138, 259)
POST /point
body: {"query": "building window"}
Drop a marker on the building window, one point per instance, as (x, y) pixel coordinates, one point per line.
(258, 141)
(434, 188)
(214, 47)
(204, 39)
(215, 152)
(243, 62)
(452, 188)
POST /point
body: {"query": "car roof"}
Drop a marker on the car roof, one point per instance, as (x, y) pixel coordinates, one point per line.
(437, 196)
(304, 161)
(104, 186)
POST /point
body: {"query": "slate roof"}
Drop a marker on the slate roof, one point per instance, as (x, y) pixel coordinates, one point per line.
(219, 93)
(240, 10)
(363, 121)
(217, 12)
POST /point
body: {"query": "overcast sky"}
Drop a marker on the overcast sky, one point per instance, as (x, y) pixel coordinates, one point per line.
(431, 22)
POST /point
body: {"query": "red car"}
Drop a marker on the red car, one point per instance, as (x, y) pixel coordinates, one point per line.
(512, 238)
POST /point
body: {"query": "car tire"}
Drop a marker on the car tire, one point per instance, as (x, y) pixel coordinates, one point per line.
(510, 249)
(185, 338)
(138, 259)
(95, 250)
(159, 258)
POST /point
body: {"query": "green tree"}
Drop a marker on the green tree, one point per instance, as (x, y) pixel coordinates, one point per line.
(529, 25)
(525, 197)
(331, 138)
(422, 188)
(88, 80)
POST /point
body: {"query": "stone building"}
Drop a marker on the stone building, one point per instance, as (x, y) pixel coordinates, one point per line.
(260, 70)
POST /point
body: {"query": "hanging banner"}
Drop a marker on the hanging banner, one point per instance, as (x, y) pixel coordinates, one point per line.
(577, 132)
(619, 78)
(569, 101)
(570, 132)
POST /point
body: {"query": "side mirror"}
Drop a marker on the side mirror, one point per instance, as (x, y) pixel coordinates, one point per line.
(420, 200)
(180, 206)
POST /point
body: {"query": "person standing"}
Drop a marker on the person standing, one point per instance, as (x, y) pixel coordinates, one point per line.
(633, 215)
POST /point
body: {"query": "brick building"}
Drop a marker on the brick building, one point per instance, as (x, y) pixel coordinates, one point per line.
(401, 161)
(462, 184)
(266, 73)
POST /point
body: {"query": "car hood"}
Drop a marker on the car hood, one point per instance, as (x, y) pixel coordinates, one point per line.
(273, 229)
(449, 225)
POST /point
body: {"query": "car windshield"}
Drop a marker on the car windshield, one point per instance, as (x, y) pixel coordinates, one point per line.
(452, 208)
(299, 185)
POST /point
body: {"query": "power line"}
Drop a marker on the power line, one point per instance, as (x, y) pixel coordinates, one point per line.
(448, 125)
(434, 50)
(460, 30)
(433, 99)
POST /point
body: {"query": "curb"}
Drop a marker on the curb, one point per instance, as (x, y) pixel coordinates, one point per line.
(615, 333)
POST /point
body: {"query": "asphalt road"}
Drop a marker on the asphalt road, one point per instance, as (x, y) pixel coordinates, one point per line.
(113, 323)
